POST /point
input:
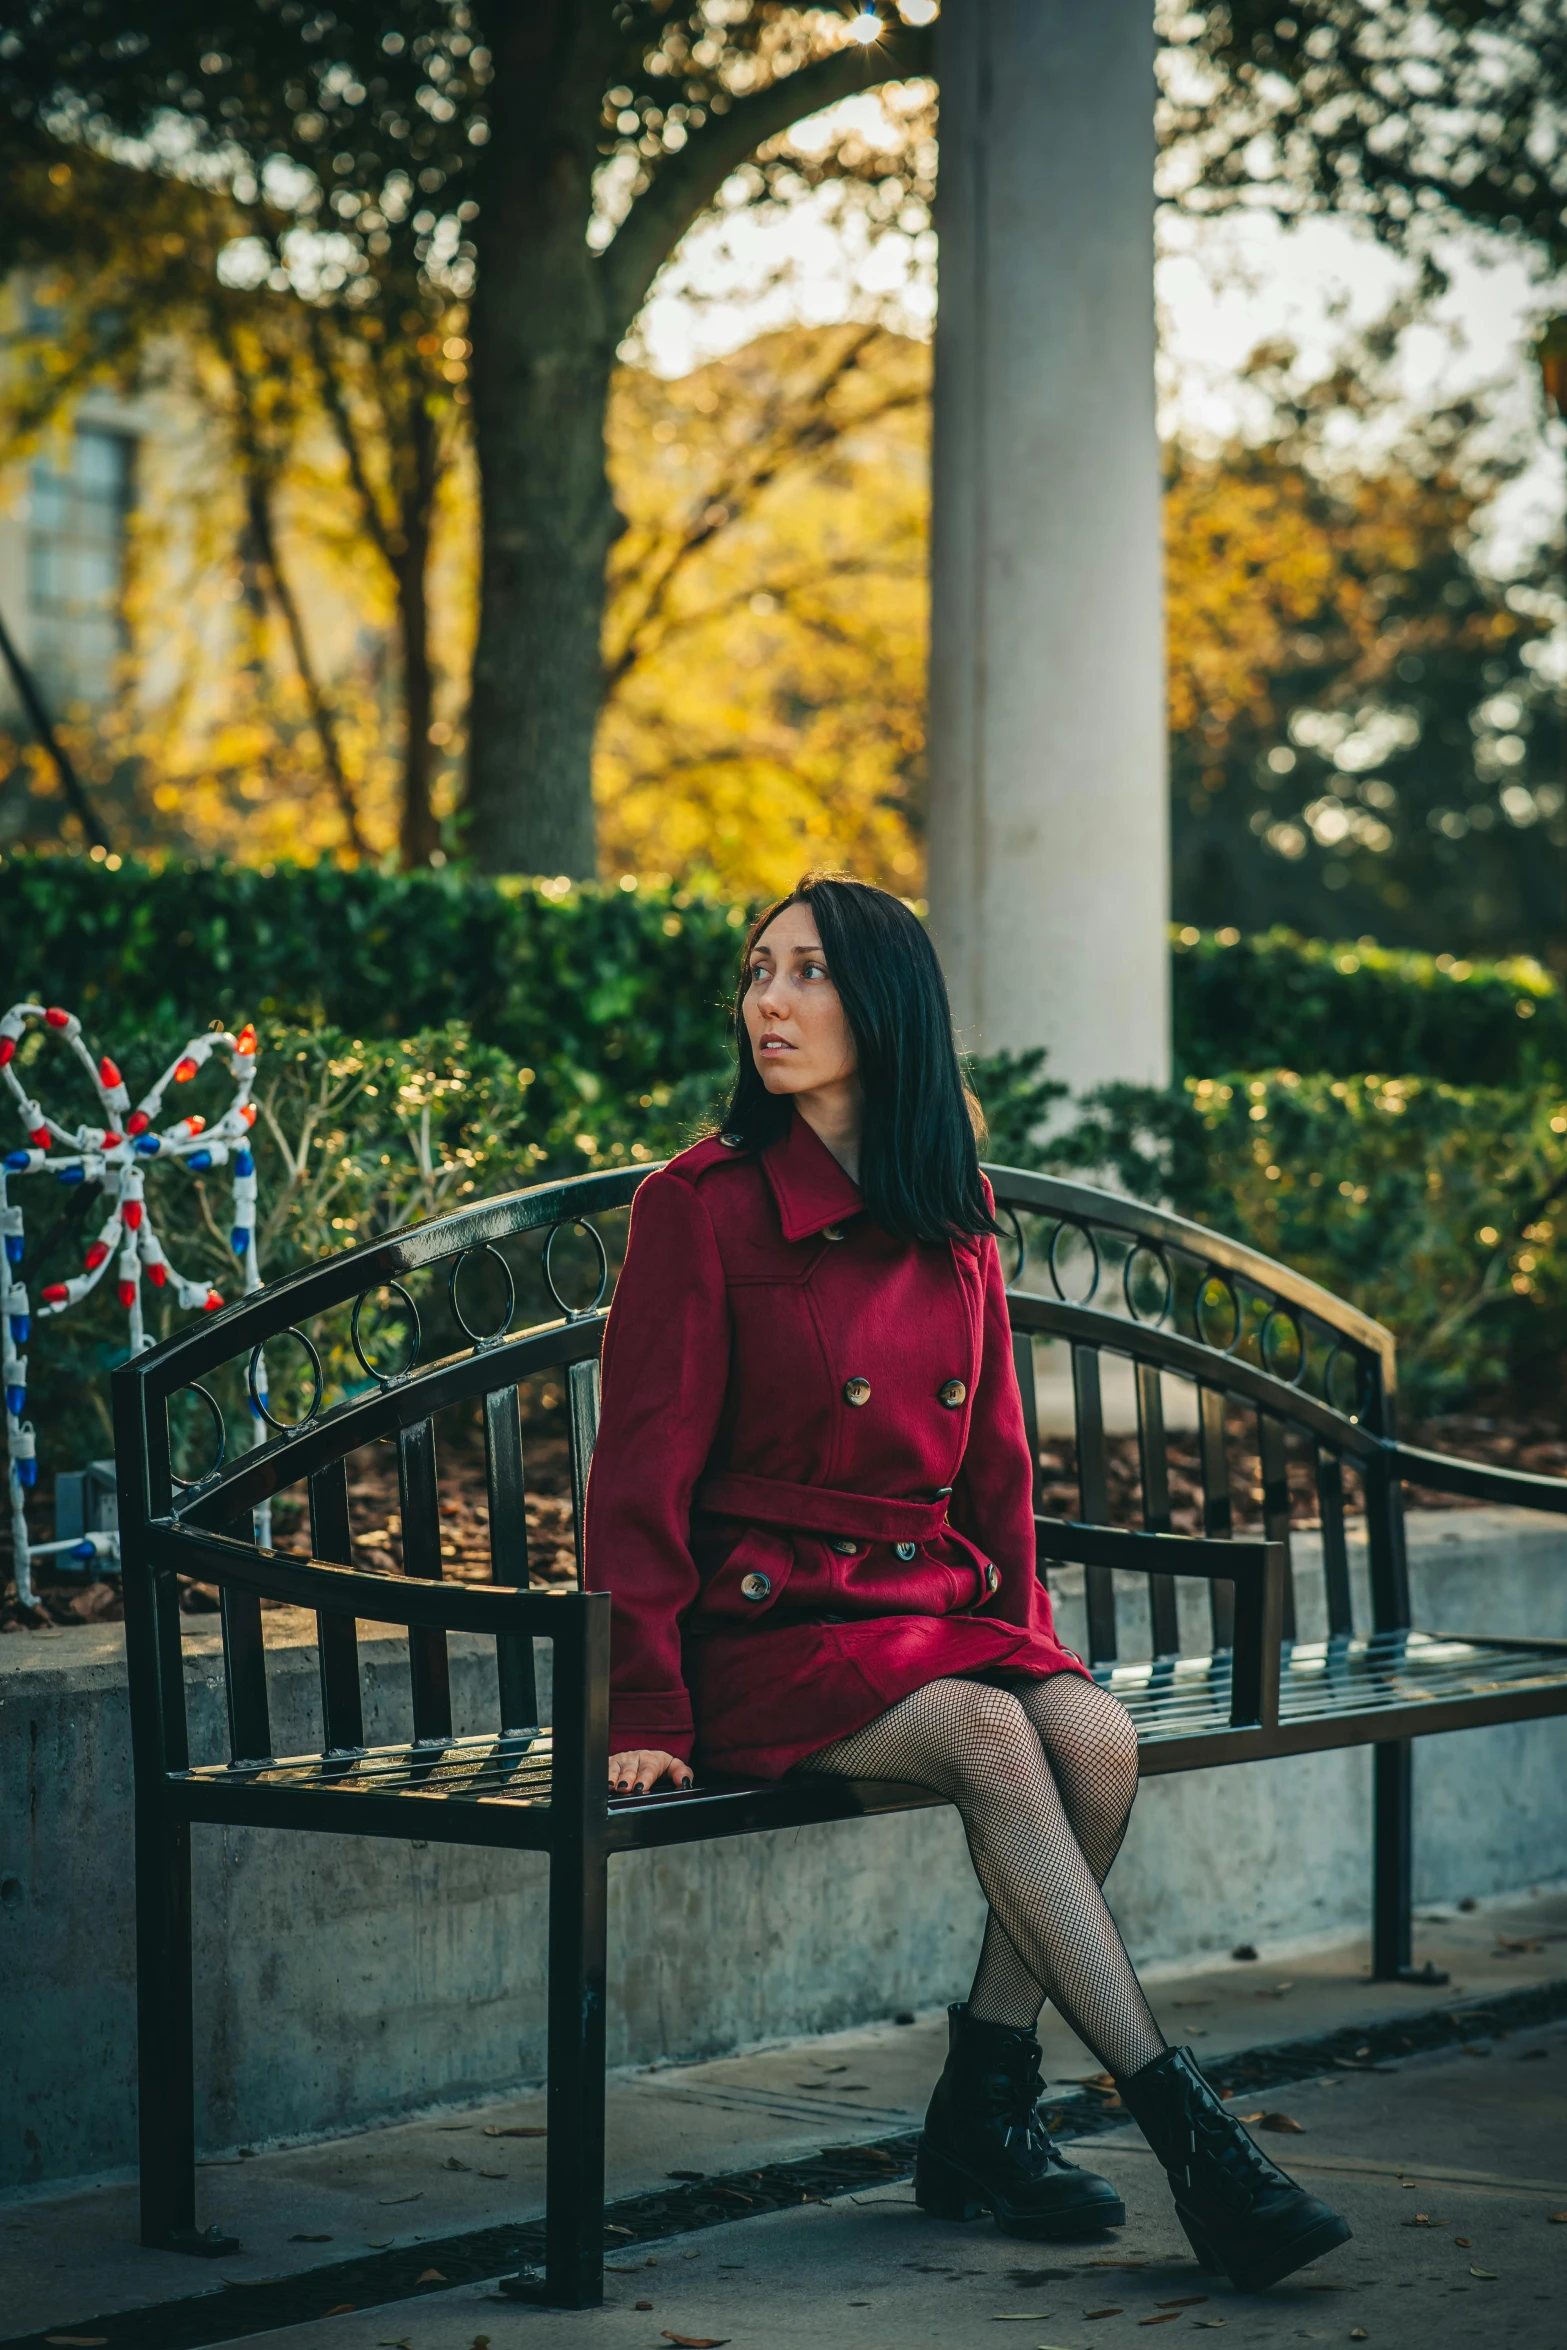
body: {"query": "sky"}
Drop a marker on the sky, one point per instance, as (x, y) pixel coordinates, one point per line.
(1221, 286)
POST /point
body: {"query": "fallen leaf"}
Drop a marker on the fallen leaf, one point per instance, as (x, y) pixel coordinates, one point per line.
(338, 2309)
(694, 2341)
(494, 2174)
(1038, 2276)
(1463, 2242)
(1489, 2274)
(1250, 2117)
(429, 2276)
(1209, 2321)
(495, 2130)
(1168, 2319)
(454, 2125)
(685, 2174)
(610, 2229)
(415, 2197)
(1244, 1950)
(1423, 2220)
(641, 2304)
(80, 2341)
(1187, 2301)
(1358, 2334)
(452, 2163)
(1020, 2317)
(1557, 2218)
(1115, 2312)
(310, 2239)
(1283, 2121)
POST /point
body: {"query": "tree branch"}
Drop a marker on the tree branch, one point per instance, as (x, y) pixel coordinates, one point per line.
(687, 183)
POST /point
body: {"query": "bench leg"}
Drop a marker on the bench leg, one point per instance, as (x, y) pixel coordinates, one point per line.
(165, 2030)
(1393, 1841)
(164, 2026)
(574, 2182)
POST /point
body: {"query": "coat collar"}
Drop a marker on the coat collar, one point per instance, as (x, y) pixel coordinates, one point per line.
(811, 1189)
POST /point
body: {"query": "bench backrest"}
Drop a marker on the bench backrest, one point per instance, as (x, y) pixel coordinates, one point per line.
(397, 1337)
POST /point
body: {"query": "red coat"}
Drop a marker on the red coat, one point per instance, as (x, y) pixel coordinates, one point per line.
(811, 1491)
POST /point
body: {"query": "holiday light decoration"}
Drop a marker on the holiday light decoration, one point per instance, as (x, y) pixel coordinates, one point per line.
(117, 1156)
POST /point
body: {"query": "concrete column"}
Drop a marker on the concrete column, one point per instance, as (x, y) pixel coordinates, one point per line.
(1049, 827)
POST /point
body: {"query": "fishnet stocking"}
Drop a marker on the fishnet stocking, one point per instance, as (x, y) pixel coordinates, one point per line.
(1039, 1776)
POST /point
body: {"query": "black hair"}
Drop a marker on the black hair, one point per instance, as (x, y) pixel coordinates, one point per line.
(919, 1165)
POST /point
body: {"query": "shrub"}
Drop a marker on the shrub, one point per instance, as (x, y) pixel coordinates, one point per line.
(1437, 1208)
(1282, 1002)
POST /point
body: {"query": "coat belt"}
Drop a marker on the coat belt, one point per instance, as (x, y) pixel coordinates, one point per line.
(817, 1509)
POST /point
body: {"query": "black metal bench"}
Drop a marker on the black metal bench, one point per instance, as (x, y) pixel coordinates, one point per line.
(1273, 1359)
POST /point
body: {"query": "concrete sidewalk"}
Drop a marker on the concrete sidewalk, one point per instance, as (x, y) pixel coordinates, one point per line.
(68, 2258)
(1447, 2260)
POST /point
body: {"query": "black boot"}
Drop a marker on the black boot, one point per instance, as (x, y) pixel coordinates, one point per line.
(985, 2147)
(1243, 2217)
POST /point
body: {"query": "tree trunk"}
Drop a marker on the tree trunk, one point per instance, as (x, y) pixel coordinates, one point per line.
(417, 835)
(543, 351)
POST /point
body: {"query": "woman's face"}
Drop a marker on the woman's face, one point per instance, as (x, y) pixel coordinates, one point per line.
(800, 1036)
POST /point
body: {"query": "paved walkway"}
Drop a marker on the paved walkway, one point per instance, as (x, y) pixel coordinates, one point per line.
(1483, 2135)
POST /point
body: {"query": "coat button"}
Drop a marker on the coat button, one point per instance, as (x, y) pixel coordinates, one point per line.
(903, 1550)
(832, 1232)
(992, 1581)
(755, 1586)
(953, 1394)
(845, 1550)
(856, 1391)
(732, 1142)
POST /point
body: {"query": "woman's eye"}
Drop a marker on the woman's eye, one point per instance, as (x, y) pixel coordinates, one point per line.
(813, 970)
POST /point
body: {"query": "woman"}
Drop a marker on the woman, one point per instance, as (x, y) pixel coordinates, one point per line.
(811, 1504)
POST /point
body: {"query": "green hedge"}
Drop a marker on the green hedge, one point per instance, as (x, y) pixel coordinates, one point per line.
(1282, 1002)
(624, 986)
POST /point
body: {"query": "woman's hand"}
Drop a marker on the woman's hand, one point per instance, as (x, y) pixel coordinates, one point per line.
(635, 1772)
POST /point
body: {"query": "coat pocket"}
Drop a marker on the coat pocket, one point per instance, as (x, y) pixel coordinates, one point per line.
(750, 1579)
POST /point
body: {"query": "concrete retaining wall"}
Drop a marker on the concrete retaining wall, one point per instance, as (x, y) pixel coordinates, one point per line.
(341, 1980)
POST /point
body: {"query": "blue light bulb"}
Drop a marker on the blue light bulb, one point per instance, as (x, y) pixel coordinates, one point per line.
(199, 1162)
(71, 1174)
(83, 1551)
(239, 1241)
(244, 1164)
(26, 1472)
(16, 1401)
(149, 1145)
(21, 1324)
(14, 1245)
(17, 1162)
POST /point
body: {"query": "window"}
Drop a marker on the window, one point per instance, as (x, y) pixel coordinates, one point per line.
(81, 500)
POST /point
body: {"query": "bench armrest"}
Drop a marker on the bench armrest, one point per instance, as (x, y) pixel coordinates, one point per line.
(1255, 1568)
(373, 1594)
(1479, 1480)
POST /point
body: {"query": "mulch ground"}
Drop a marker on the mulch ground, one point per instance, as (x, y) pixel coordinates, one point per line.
(1506, 1436)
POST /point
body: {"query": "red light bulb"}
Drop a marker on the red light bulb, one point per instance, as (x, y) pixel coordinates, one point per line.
(184, 1071)
(138, 1122)
(127, 1294)
(108, 1075)
(55, 1294)
(157, 1275)
(213, 1301)
(132, 1213)
(7, 1050)
(112, 1141)
(245, 1042)
(96, 1255)
(56, 1018)
(39, 1137)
